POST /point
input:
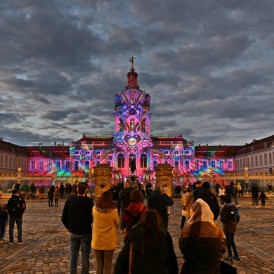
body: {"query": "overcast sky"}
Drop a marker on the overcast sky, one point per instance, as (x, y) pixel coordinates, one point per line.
(208, 66)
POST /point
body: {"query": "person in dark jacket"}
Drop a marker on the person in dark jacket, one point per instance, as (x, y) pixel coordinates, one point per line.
(230, 221)
(159, 201)
(133, 212)
(16, 208)
(202, 241)
(77, 218)
(149, 249)
(206, 194)
(51, 195)
(255, 195)
(124, 196)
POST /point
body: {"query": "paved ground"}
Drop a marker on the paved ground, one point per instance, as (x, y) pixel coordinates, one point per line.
(45, 246)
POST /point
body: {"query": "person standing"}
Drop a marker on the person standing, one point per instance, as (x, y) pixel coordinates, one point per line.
(255, 195)
(230, 219)
(159, 201)
(124, 196)
(269, 188)
(77, 218)
(187, 201)
(51, 195)
(16, 207)
(133, 212)
(3, 219)
(263, 197)
(149, 249)
(61, 191)
(206, 194)
(202, 241)
(106, 220)
(56, 196)
(222, 194)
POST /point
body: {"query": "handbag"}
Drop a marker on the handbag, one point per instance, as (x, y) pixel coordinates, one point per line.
(227, 268)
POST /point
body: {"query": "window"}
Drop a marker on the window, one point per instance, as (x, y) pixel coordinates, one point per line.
(176, 164)
(86, 165)
(76, 152)
(221, 164)
(166, 152)
(58, 165)
(132, 124)
(98, 152)
(265, 159)
(252, 162)
(41, 165)
(187, 164)
(32, 165)
(229, 164)
(155, 163)
(261, 160)
(67, 165)
(76, 165)
(121, 160)
(204, 165)
(256, 161)
(143, 160)
(270, 159)
(187, 152)
(49, 165)
(213, 163)
(248, 162)
(1, 160)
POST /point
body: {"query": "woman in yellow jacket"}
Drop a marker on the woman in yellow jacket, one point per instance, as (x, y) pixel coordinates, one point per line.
(104, 232)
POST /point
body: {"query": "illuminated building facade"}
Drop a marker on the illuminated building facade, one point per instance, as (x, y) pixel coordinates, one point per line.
(132, 141)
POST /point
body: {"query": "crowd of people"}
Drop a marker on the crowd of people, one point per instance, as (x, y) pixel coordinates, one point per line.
(142, 214)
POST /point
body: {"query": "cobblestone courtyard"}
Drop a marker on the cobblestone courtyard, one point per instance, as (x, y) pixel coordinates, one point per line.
(45, 247)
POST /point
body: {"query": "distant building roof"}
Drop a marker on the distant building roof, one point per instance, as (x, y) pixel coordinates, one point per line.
(217, 151)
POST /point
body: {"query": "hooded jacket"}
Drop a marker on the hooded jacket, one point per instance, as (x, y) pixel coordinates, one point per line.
(202, 241)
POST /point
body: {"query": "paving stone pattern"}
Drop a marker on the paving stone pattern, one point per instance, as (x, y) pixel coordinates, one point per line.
(45, 247)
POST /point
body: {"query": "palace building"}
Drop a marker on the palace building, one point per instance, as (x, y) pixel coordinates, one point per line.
(133, 151)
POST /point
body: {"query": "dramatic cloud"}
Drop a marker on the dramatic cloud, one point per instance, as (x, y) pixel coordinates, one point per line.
(208, 66)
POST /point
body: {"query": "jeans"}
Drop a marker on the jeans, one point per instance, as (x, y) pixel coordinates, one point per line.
(103, 261)
(18, 222)
(230, 243)
(75, 242)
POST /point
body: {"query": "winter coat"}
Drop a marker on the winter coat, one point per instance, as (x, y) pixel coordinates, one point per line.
(229, 225)
(187, 202)
(202, 242)
(77, 215)
(160, 202)
(131, 213)
(163, 260)
(15, 198)
(105, 223)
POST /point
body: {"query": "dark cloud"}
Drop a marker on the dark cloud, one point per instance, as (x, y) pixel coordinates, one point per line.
(208, 66)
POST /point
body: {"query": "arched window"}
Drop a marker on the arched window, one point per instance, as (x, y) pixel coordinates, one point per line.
(143, 160)
(144, 125)
(121, 160)
(132, 124)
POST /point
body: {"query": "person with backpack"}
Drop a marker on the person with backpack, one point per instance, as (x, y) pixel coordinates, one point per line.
(16, 207)
(230, 218)
(134, 210)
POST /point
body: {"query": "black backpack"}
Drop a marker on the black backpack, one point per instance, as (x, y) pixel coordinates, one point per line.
(234, 215)
(17, 206)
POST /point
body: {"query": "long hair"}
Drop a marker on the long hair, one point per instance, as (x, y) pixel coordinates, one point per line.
(106, 201)
(152, 231)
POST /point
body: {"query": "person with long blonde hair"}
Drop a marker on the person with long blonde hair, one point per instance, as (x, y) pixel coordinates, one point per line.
(104, 232)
